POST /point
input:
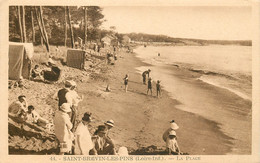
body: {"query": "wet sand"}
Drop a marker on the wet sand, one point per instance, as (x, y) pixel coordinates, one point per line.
(140, 120)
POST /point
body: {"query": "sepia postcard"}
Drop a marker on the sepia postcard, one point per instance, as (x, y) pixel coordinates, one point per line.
(130, 81)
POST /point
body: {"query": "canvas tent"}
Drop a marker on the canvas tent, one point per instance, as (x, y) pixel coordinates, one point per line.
(76, 58)
(20, 55)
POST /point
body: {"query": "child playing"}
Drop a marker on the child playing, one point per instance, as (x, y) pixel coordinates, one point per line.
(171, 144)
(158, 88)
(149, 86)
(126, 82)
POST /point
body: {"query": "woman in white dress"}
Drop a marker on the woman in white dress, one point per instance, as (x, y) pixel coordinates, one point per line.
(83, 143)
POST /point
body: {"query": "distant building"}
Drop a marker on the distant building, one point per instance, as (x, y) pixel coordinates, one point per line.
(126, 40)
(110, 40)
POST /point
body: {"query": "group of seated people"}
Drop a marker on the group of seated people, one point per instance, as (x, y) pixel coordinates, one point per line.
(23, 113)
(50, 75)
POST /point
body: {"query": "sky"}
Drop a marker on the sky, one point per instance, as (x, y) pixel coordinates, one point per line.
(201, 22)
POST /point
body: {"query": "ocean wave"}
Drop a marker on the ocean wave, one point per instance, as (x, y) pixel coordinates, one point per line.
(235, 87)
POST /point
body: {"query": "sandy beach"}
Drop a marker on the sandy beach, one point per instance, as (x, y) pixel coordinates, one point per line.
(140, 120)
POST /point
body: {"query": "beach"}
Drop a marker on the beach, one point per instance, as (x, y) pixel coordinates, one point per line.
(140, 119)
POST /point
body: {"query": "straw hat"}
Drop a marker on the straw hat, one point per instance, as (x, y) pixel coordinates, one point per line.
(172, 132)
(174, 126)
(70, 83)
(65, 107)
(110, 123)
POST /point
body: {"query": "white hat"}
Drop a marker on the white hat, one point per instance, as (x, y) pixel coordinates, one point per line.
(50, 61)
(172, 132)
(70, 83)
(110, 123)
(122, 151)
(174, 126)
(65, 107)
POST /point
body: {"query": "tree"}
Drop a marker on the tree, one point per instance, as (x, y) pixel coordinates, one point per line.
(85, 25)
(33, 30)
(53, 19)
(65, 27)
(24, 29)
(20, 23)
(70, 26)
(40, 22)
(94, 20)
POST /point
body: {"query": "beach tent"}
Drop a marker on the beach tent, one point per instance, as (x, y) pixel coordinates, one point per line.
(76, 58)
(20, 55)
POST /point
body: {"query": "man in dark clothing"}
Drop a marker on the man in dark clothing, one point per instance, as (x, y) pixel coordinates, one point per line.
(62, 94)
(65, 95)
(52, 75)
(144, 75)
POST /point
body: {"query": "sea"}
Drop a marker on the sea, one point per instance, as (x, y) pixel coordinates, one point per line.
(220, 89)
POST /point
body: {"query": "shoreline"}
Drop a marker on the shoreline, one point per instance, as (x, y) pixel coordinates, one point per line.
(140, 120)
(114, 103)
(231, 105)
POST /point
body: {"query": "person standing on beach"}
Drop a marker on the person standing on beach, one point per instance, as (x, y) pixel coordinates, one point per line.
(126, 82)
(150, 86)
(75, 101)
(173, 126)
(83, 142)
(158, 88)
(62, 128)
(144, 75)
(109, 57)
(66, 95)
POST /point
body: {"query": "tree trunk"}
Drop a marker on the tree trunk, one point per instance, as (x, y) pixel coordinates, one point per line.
(70, 26)
(85, 26)
(65, 27)
(39, 23)
(24, 29)
(41, 41)
(41, 28)
(20, 23)
(44, 31)
(33, 30)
